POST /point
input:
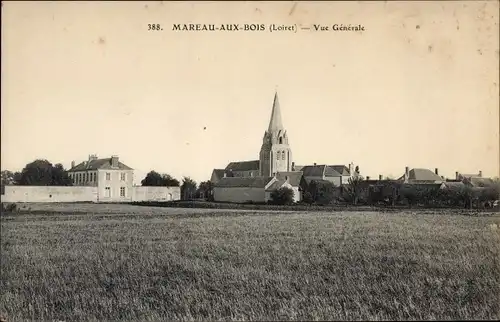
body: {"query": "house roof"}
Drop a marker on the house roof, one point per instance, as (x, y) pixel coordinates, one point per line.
(219, 173)
(319, 171)
(308, 181)
(298, 167)
(475, 175)
(454, 184)
(102, 164)
(244, 165)
(342, 169)
(243, 182)
(293, 177)
(481, 182)
(276, 185)
(420, 174)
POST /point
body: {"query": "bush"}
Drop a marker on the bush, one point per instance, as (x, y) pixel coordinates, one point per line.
(282, 196)
(307, 198)
(9, 207)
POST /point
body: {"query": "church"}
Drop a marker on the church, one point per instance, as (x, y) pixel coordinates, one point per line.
(254, 181)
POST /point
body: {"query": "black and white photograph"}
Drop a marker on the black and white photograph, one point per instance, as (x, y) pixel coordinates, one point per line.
(250, 161)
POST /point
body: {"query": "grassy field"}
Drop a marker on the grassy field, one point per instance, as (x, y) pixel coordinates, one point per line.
(118, 262)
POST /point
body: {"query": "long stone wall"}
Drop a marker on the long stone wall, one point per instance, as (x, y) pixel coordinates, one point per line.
(49, 194)
(83, 194)
(156, 193)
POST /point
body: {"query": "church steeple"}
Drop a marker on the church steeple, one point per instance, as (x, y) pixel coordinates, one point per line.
(275, 153)
(275, 124)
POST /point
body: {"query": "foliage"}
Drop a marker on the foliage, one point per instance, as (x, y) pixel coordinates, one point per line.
(354, 188)
(188, 188)
(8, 207)
(154, 178)
(322, 192)
(307, 197)
(143, 264)
(205, 190)
(42, 173)
(7, 177)
(282, 196)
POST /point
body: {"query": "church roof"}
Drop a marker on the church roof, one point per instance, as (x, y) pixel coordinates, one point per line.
(244, 165)
(275, 124)
(243, 182)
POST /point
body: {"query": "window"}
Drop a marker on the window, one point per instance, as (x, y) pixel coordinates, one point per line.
(281, 140)
(283, 155)
(108, 176)
(278, 155)
(123, 176)
(107, 192)
(122, 191)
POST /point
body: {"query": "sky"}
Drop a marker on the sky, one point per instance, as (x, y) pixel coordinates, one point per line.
(418, 87)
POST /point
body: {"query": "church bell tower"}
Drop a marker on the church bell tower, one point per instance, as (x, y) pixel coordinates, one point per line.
(275, 153)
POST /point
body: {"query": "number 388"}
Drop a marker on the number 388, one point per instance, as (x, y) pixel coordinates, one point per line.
(154, 26)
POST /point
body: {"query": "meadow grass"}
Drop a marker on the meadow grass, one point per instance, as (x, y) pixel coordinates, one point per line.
(159, 264)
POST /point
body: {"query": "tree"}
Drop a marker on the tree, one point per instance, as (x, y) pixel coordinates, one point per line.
(156, 179)
(322, 192)
(188, 188)
(282, 196)
(354, 188)
(205, 190)
(42, 173)
(7, 177)
(307, 197)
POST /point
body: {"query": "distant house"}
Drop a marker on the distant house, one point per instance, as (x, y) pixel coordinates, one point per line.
(256, 189)
(113, 179)
(321, 172)
(476, 180)
(242, 189)
(421, 176)
(237, 169)
(218, 174)
(290, 180)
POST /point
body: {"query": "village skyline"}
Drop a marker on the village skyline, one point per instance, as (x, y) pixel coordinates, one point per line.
(426, 95)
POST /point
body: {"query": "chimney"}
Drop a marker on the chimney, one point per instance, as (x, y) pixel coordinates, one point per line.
(293, 166)
(350, 168)
(380, 177)
(314, 163)
(114, 161)
(436, 171)
(72, 164)
(457, 177)
(480, 173)
(407, 174)
(367, 178)
(225, 174)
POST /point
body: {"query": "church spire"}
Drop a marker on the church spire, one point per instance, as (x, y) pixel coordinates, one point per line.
(275, 123)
